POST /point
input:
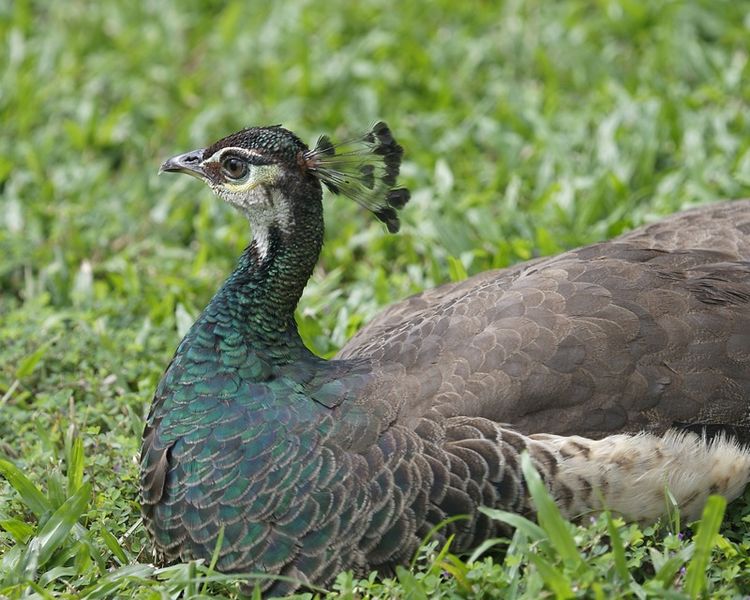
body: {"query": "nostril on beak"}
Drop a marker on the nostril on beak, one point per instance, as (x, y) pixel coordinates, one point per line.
(189, 163)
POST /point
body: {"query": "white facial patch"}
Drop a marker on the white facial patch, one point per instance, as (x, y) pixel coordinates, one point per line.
(255, 195)
(264, 207)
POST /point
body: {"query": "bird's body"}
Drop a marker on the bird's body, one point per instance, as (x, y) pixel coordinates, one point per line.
(304, 467)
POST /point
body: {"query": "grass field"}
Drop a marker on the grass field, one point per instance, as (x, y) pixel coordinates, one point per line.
(529, 127)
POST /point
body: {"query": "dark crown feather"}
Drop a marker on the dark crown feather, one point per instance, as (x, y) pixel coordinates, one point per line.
(365, 169)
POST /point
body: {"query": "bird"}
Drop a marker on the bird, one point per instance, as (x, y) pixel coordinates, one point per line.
(620, 368)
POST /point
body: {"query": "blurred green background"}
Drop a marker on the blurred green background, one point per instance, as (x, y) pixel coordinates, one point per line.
(529, 127)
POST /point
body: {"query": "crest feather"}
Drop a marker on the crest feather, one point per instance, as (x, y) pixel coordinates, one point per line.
(365, 169)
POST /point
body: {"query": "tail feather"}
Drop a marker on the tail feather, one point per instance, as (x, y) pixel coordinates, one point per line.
(630, 474)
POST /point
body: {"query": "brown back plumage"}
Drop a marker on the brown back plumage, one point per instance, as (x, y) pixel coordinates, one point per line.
(644, 332)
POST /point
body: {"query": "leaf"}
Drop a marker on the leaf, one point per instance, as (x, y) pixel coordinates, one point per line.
(74, 460)
(215, 556)
(456, 567)
(114, 546)
(109, 582)
(28, 364)
(10, 566)
(443, 177)
(713, 514)
(618, 549)
(456, 269)
(548, 514)
(410, 584)
(444, 523)
(531, 529)
(31, 496)
(668, 568)
(19, 530)
(57, 527)
(554, 578)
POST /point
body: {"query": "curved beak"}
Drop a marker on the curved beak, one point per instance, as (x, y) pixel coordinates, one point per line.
(190, 163)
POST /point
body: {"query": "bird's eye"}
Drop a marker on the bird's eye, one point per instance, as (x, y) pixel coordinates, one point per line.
(235, 167)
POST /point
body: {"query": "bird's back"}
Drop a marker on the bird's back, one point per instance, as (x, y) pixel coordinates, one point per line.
(644, 332)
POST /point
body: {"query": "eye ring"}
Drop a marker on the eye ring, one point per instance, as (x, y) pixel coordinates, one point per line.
(234, 167)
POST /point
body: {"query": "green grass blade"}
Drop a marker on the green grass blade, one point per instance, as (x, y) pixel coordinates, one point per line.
(31, 496)
(483, 547)
(114, 546)
(28, 364)
(19, 530)
(11, 567)
(437, 563)
(668, 569)
(57, 527)
(410, 584)
(444, 523)
(531, 529)
(456, 567)
(554, 578)
(713, 514)
(215, 556)
(111, 581)
(549, 516)
(618, 549)
(56, 489)
(519, 546)
(74, 463)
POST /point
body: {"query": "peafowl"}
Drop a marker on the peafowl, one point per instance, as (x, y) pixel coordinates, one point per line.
(613, 366)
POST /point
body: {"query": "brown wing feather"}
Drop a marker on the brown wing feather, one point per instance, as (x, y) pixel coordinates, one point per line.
(639, 333)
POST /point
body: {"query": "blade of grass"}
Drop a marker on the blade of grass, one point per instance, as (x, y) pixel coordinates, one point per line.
(437, 563)
(713, 514)
(114, 546)
(105, 587)
(532, 530)
(28, 364)
(549, 516)
(20, 531)
(57, 527)
(669, 568)
(618, 549)
(444, 523)
(214, 556)
(74, 463)
(456, 567)
(554, 578)
(410, 584)
(31, 496)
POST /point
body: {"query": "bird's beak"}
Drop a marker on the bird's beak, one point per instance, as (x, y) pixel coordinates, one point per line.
(189, 163)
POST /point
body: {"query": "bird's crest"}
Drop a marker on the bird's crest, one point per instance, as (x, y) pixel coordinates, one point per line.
(365, 169)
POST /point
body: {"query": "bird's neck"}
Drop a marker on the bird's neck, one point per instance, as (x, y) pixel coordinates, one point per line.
(255, 306)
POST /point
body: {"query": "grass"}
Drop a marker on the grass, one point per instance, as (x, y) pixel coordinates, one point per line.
(530, 127)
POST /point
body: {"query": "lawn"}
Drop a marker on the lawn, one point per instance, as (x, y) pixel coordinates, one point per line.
(529, 127)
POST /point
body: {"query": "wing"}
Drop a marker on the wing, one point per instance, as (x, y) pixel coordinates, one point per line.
(641, 333)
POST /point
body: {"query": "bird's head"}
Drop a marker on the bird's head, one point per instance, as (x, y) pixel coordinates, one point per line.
(268, 173)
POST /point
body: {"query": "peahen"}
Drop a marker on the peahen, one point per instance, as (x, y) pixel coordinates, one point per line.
(304, 467)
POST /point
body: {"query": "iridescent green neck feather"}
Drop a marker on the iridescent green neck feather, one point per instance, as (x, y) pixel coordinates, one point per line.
(261, 295)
